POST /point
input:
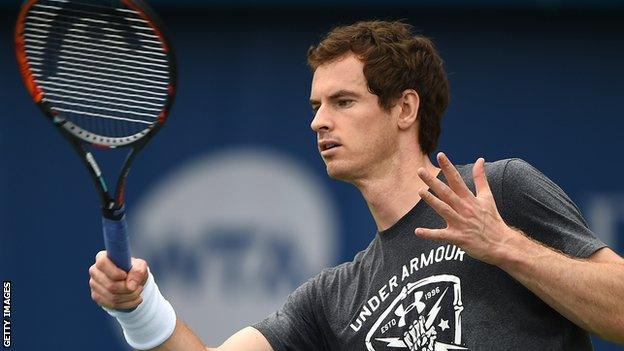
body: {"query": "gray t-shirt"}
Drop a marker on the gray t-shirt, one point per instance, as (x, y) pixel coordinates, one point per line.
(407, 293)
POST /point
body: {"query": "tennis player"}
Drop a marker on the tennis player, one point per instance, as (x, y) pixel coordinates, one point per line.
(486, 256)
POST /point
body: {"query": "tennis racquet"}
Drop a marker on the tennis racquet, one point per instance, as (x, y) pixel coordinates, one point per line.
(104, 73)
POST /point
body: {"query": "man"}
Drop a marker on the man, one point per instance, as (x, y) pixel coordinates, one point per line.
(498, 259)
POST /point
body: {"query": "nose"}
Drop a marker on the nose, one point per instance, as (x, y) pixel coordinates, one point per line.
(322, 121)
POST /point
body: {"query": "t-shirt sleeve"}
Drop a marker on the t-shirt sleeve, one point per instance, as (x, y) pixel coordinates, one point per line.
(296, 325)
(542, 210)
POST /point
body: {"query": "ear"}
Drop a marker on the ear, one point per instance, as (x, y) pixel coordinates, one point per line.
(408, 105)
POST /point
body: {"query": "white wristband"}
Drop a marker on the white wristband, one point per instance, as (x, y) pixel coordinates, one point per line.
(151, 323)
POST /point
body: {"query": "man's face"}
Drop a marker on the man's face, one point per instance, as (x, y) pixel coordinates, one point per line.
(356, 137)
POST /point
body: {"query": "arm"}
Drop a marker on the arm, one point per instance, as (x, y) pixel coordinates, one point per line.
(183, 338)
(587, 292)
(113, 288)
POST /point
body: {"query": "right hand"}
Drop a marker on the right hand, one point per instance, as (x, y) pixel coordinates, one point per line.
(113, 288)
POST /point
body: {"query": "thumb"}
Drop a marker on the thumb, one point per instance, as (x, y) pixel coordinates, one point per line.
(137, 276)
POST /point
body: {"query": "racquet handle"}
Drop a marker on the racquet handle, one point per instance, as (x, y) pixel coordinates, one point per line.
(116, 240)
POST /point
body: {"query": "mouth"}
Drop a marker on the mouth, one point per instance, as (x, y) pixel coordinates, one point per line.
(327, 145)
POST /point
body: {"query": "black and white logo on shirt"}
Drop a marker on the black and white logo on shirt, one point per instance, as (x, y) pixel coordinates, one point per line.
(425, 316)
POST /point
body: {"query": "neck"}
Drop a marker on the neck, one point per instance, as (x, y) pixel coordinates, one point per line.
(394, 192)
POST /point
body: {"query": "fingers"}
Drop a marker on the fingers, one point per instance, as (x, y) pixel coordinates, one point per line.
(104, 297)
(106, 266)
(137, 275)
(480, 179)
(410, 337)
(441, 207)
(421, 326)
(455, 180)
(112, 287)
(432, 234)
(115, 306)
(442, 190)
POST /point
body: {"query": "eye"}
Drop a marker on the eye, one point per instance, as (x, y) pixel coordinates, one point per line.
(344, 103)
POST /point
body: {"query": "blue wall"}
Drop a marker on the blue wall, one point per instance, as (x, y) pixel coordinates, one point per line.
(546, 86)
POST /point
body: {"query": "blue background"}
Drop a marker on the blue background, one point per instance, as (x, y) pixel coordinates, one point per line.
(543, 81)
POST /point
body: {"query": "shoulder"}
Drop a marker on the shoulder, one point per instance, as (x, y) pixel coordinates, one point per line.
(496, 172)
(513, 181)
(522, 180)
(362, 260)
(525, 193)
(519, 170)
(340, 278)
(505, 172)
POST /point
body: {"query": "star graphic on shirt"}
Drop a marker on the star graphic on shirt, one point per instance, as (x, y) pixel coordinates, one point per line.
(443, 324)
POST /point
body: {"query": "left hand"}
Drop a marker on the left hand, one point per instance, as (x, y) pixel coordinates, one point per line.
(473, 222)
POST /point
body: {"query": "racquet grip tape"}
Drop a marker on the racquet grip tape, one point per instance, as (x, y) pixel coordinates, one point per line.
(116, 242)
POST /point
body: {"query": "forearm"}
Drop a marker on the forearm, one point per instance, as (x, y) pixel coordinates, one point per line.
(182, 338)
(589, 294)
(152, 324)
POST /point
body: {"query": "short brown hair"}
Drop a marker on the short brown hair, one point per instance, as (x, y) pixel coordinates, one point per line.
(394, 60)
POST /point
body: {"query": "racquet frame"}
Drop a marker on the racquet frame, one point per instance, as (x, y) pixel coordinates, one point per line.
(112, 205)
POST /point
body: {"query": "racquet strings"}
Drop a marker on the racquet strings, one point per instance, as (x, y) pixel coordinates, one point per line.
(103, 67)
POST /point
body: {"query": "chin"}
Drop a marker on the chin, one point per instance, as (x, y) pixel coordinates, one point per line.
(338, 171)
